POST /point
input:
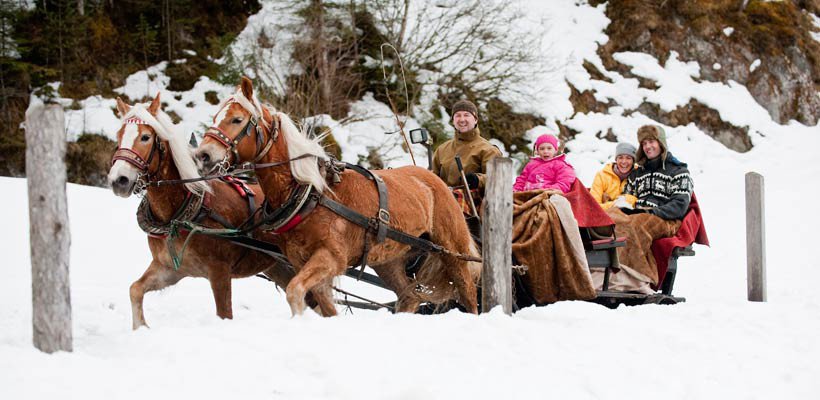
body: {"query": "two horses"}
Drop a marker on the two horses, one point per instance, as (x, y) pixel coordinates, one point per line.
(150, 150)
(319, 243)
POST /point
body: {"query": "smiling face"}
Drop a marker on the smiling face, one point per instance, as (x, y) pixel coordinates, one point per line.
(464, 121)
(546, 151)
(135, 143)
(652, 148)
(624, 162)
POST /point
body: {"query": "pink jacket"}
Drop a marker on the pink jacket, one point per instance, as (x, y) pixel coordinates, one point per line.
(554, 173)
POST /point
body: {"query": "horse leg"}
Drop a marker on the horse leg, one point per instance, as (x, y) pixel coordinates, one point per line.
(220, 279)
(460, 274)
(319, 269)
(393, 275)
(323, 295)
(156, 277)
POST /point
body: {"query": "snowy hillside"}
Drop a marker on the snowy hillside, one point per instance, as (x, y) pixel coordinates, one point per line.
(716, 345)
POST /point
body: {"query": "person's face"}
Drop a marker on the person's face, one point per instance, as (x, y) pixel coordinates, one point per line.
(651, 148)
(464, 121)
(624, 162)
(546, 151)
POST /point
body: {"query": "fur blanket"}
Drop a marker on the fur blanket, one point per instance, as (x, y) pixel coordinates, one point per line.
(551, 250)
(641, 230)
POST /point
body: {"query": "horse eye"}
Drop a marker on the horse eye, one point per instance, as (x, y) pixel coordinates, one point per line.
(237, 120)
(145, 138)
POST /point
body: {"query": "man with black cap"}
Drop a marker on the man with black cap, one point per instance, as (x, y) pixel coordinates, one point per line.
(474, 150)
(661, 182)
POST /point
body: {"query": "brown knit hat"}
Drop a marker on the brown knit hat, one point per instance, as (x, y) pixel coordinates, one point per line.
(465, 105)
(651, 132)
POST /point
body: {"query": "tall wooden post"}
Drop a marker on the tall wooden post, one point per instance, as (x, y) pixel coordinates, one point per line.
(496, 233)
(49, 230)
(755, 238)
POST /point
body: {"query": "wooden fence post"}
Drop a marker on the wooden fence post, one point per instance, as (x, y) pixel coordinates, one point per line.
(49, 230)
(755, 238)
(496, 233)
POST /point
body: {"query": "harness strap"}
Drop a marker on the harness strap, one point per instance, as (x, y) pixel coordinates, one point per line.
(392, 234)
(382, 219)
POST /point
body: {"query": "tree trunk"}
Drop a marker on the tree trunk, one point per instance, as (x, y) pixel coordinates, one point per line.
(323, 65)
(81, 7)
(49, 230)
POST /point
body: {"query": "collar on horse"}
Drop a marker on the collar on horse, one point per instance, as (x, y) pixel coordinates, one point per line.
(301, 202)
(188, 211)
(232, 144)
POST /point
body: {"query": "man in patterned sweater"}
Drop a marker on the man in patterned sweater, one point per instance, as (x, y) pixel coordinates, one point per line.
(661, 182)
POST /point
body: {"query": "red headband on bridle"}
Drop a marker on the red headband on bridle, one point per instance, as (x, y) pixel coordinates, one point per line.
(130, 156)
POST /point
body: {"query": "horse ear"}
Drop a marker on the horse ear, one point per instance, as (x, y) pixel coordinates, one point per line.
(247, 87)
(122, 107)
(154, 107)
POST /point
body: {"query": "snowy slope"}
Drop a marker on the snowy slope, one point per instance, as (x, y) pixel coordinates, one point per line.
(715, 345)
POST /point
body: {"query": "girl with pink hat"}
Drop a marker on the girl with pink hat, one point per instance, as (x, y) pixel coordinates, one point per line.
(546, 169)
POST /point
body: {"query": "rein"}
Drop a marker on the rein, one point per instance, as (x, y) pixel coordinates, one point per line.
(236, 170)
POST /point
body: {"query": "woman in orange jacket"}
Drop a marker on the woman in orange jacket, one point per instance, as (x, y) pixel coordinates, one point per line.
(608, 186)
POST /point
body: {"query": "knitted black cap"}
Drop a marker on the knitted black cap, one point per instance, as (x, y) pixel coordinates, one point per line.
(465, 105)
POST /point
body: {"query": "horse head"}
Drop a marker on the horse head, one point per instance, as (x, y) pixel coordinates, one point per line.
(244, 130)
(145, 138)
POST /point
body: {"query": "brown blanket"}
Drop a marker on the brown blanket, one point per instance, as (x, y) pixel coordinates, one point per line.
(553, 271)
(640, 231)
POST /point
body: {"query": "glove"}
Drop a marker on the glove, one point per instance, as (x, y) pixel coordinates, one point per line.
(621, 202)
(632, 211)
(472, 181)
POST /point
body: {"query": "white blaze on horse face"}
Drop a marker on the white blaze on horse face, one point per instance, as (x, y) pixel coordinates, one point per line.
(120, 167)
(220, 116)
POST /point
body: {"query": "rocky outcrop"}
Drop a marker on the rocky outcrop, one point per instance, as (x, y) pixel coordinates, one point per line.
(784, 81)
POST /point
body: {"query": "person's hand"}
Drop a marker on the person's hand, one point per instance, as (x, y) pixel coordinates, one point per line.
(472, 181)
(621, 202)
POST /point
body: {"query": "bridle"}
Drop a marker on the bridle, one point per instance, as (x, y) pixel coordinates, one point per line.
(262, 146)
(132, 157)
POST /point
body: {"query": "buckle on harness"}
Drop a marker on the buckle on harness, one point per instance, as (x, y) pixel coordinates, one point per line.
(384, 216)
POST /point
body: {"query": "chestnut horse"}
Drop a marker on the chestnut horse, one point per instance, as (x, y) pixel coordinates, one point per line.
(149, 150)
(323, 244)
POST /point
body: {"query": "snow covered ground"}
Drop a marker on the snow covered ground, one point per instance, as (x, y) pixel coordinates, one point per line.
(714, 345)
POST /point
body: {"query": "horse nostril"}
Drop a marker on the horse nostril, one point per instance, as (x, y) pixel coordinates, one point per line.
(121, 181)
(204, 157)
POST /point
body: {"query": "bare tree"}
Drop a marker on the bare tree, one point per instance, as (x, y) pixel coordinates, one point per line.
(479, 46)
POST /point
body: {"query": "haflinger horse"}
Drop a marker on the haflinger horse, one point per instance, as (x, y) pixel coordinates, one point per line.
(320, 243)
(151, 150)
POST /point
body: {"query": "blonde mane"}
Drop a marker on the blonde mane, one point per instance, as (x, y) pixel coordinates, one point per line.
(180, 149)
(305, 170)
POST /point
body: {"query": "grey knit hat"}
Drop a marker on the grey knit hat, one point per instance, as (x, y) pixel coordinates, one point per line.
(625, 149)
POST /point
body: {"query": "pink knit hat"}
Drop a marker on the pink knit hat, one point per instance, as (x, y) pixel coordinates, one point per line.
(545, 139)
